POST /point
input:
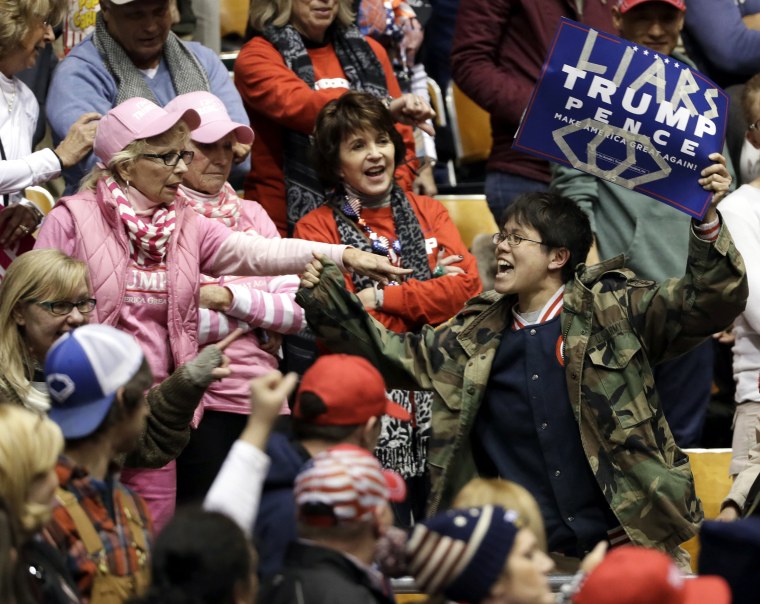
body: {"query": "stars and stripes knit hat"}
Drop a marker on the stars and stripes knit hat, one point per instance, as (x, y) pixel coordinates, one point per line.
(343, 485)
(461, 553)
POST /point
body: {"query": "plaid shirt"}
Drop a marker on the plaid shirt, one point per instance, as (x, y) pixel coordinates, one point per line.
(109, 518)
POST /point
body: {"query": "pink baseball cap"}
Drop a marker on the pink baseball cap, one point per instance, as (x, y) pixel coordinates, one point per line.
(134, 119)
(215, 121)
(625, 5)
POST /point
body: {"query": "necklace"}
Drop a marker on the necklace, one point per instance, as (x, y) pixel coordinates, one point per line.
(10, 103)
(379, 244)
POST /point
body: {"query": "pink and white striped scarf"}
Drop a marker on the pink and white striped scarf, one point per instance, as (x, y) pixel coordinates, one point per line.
(223, 207)
(147, 241)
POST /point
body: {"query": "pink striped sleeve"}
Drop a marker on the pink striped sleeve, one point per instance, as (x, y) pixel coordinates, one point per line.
(214, 325)
(274, 309)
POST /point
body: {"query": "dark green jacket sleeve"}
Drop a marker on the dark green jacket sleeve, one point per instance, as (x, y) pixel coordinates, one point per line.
(338, 318)
(167, 432)
(676, 315)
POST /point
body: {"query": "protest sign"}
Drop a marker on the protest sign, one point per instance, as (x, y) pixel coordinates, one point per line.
(627, 114)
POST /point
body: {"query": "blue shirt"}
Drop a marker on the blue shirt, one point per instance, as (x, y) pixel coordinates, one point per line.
(82, 83)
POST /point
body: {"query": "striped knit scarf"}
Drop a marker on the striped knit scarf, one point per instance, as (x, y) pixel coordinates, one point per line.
(223, 207)
(147, 242)
(186, 72)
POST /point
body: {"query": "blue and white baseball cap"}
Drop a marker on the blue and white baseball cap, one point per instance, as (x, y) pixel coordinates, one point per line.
(83, 370)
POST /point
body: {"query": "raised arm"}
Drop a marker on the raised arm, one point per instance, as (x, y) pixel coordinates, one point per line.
(675, 315)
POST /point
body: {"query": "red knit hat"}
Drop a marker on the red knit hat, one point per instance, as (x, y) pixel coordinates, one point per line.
(632, 575)
(351, 389)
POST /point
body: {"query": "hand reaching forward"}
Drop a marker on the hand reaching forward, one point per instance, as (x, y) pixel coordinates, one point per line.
(373, 266)
(211, 364)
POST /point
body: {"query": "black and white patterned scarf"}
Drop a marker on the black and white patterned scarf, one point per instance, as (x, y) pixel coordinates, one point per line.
(304, 191)
(186, 72)
(408, 232)
(402, 446)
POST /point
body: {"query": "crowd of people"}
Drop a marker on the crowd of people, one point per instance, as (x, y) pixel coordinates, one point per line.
(153, 447)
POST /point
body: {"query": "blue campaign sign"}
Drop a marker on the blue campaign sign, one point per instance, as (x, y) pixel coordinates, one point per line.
(627, 114)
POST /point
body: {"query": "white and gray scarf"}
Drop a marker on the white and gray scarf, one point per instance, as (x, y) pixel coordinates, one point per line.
(186, 72)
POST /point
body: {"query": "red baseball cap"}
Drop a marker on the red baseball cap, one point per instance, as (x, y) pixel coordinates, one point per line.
(625, 5)
(631, 575)
(351, 389)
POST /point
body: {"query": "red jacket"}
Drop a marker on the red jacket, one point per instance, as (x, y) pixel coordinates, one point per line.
(498, 50)
(276, 98)
(409, 306)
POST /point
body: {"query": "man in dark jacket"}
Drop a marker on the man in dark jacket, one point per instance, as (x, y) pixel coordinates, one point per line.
(342, 498)
(498, 51)
(341, 400)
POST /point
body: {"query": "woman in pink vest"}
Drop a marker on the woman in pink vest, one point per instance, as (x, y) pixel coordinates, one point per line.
(146, 249)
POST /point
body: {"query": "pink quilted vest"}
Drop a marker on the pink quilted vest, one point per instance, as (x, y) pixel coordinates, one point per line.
(101, 241)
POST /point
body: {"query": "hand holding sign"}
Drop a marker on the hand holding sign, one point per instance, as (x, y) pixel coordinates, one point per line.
(715, 178)
(627, 114)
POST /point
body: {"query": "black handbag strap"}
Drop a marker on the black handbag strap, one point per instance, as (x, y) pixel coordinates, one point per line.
(2, 156)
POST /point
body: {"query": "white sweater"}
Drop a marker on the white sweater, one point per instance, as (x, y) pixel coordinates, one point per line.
(741, 213)
(21, 167)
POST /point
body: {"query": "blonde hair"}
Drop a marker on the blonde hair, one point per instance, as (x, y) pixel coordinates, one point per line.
(495, 491)
(17, 16)
(279, 12)
(123, 160)
(748, 99)
(29, 449)
(36, 275)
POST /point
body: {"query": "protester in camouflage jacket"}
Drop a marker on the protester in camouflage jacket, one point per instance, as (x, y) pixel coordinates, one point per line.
(615, 328)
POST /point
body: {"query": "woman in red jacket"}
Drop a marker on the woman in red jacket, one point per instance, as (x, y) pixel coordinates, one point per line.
(357, 151)
(306, 54)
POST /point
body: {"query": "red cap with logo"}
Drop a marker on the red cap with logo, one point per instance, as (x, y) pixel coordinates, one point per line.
(351, 389)
(625, 5)
(631, 575)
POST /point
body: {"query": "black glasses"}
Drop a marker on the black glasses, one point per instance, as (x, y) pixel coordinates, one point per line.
(512, 239)
(754, 125)
(64, 307)
(172, 157)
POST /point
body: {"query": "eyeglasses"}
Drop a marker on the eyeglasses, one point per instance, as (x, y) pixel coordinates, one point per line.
(172, 158)
(64, 307)
(512, 239)
(754, 125)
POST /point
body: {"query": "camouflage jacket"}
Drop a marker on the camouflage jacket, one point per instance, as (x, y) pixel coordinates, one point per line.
(615, 327)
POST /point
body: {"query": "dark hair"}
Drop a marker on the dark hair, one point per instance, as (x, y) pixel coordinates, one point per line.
(134, 392)
(200, 557)
(310, 407)
(352, 112)
(559, 221)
